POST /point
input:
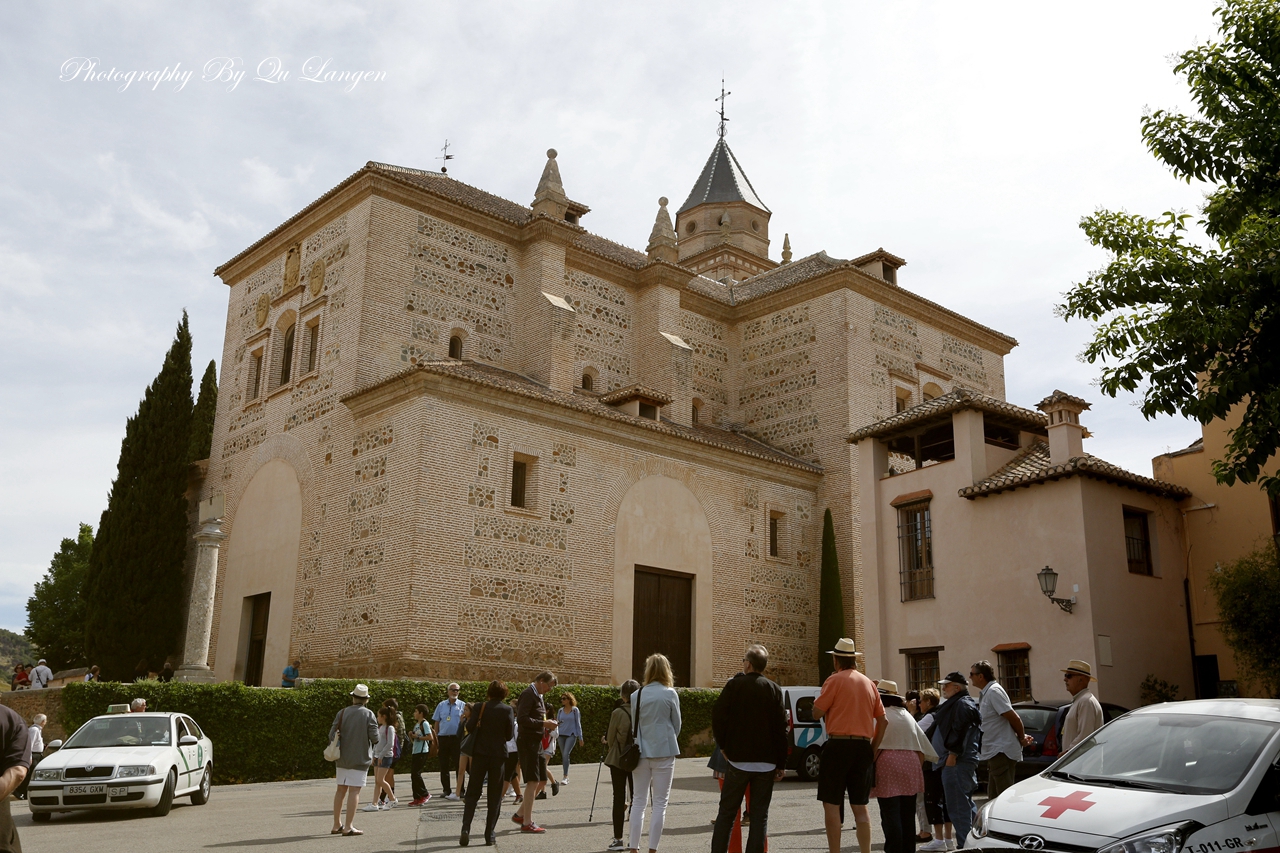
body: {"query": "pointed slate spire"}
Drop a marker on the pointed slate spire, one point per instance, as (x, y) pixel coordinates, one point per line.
(722, 180)
(786, 248)
(550, 198)
(662, 239)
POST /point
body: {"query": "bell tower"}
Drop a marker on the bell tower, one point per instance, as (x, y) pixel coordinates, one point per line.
(722, 229)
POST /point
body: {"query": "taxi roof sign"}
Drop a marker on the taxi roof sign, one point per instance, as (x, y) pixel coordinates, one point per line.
(118, 709)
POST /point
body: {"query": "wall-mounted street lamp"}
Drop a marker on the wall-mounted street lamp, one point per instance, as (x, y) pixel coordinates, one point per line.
(1049, 585)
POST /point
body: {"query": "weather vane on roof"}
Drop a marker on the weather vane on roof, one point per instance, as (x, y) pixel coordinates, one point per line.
(723, 95)
(444, 169)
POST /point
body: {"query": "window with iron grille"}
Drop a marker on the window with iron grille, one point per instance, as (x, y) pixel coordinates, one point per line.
(1015, 674)
(915, 552)
(922, 670)
(1137, 542)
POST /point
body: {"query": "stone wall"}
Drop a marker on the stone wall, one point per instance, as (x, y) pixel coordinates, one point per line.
(28, 703)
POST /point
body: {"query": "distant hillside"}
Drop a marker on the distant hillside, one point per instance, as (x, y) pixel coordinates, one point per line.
(14, 649)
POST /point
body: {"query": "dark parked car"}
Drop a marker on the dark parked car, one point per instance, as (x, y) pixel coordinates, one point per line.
(1043, 721)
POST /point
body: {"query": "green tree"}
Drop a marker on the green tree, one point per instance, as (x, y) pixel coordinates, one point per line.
(135, 571)
(1248, 593)
(202, 417)
(1195, 325)
(830, 600)
(55, 611)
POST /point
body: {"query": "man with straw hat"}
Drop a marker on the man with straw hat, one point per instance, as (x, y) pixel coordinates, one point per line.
(850, 705)
(357, 731)
(1084, 717)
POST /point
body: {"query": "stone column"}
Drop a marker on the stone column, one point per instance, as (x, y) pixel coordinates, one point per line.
(195, 658)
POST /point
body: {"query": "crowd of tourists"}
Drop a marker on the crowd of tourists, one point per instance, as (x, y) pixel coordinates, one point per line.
(916, 754)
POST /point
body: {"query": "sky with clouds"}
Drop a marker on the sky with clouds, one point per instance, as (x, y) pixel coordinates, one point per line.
(967, 138)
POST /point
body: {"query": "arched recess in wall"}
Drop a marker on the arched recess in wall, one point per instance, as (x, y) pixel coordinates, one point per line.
(931, 391)
(663, 533)
(261, 555)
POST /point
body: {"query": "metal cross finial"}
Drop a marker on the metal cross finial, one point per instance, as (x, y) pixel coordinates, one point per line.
(447, 157)
(723, 95)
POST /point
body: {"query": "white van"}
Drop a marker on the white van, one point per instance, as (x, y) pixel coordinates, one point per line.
(805, 735)
(1181, 777)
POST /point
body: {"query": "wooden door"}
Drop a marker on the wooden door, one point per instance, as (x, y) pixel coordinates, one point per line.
(261, 610)
(662, 621)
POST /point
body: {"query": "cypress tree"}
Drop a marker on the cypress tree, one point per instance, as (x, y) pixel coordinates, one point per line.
(134, 589)
(55, 611)
(202, 418)
(830, 600)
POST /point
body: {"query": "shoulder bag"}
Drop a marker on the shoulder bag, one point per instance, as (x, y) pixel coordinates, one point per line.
(629, 760)
(333, 751)
(469, 742)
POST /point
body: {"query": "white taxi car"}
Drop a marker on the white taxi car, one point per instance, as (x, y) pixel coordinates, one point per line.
(1184, 777)
(125, 761)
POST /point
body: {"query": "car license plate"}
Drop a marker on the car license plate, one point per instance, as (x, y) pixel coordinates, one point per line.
(117, 792)
(73, 790)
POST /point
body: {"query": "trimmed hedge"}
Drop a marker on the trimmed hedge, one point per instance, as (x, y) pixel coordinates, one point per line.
(269, 734)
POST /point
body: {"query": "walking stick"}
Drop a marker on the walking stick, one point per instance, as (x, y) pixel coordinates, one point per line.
(594, 790)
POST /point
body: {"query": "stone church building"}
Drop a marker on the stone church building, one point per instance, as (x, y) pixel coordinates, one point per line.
(461, 437)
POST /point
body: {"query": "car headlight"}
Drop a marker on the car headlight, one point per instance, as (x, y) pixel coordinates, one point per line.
(979, 828)
(46, 775)
(135, 770)
(1166, 839)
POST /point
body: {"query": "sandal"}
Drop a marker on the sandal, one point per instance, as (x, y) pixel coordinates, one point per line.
(354, 831)
(335, 832)
(923, 837)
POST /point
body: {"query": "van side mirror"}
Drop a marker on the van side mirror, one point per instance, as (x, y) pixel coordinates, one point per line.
(188, 740)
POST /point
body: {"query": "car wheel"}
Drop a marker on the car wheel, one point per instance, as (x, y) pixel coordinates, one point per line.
(166, 797)
(41, 817)
(811, 764)
(200, 796)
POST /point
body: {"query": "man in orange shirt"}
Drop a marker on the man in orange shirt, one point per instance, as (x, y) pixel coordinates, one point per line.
(850, 706)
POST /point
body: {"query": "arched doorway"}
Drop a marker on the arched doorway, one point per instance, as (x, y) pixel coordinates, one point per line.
(261, 568)
(662, 581)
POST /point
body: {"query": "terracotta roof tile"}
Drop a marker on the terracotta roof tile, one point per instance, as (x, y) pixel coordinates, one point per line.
(1031, 466)
(605, 248)
(785, 276)
(454, 190)
(954, 401)
(504, 380)
(613, 398)
(1062, 397)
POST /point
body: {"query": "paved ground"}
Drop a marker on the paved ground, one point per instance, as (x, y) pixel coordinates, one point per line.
(292, 816)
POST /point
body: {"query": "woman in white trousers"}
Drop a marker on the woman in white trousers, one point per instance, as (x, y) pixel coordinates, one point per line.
(656, 709)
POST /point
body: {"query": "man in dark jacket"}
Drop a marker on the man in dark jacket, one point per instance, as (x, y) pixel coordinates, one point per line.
(956, 740)
(531, 722)
(15, 759)
(750, 726)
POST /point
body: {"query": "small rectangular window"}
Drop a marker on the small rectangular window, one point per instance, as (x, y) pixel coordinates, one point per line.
(901, 400)
(915, 552)
(773, 536)
(1015, 674)
(313, 345)
(255, 376)
(1137, 542)
(648, 410)
(519, 474)
(922, 671)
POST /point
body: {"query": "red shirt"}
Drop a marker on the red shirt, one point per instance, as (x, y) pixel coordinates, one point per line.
(850, 704)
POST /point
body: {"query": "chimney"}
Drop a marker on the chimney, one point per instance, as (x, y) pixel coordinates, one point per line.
(1066, 435)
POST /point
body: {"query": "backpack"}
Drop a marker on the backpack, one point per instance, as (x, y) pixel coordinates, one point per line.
(395, 749)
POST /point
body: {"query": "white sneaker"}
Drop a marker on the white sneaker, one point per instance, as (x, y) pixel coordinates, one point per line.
(951, 844)
(617, 844)
(937, 845)
(564, 781)
(372, 807)
(451, 796)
